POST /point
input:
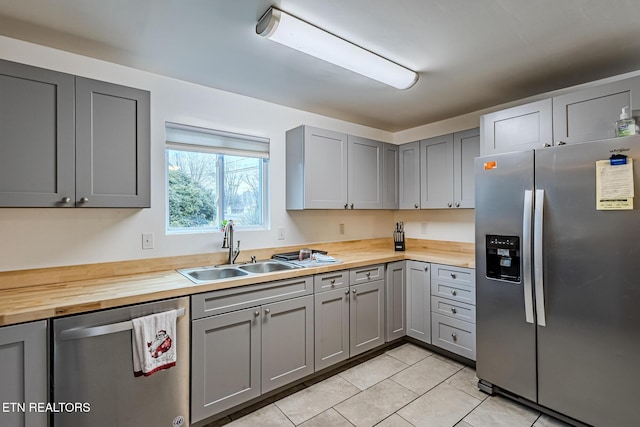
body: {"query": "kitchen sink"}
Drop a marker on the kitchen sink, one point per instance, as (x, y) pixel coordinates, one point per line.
(267, 266)
(209, 274)
(227, 271)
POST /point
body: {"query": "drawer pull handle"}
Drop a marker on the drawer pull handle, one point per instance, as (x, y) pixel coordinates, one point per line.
(257, 313)
(454, 293)
(368, 274)
(355, 291)
(333, 282)
(346, 292)
(454, 336)
(453, 275)
(267, 311)
(453, 310)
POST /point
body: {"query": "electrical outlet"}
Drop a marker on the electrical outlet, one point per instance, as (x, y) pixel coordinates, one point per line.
(280, 233)
(147, 240)
(341, 227)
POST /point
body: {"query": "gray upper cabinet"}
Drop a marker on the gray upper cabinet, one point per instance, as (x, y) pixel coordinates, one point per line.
(590, 114)
(24, 372)
(112, 145)
(390, 174)
(69, 141)
(37, 159)
(466, 147)
(409, 176)
(316, 169)
(436, 172)
(518, 128)
(365, 173)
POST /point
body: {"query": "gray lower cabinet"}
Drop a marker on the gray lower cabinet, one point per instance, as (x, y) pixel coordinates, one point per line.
(349, 313)
(259, 339)
(396, 301)
(24, 373)
(519, 128)
(590, 114)
(453, 311)
(69, 141)
(409, 176)
(331, 327)
(419, 301)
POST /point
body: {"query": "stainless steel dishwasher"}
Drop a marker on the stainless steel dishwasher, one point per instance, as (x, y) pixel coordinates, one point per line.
(93, 382)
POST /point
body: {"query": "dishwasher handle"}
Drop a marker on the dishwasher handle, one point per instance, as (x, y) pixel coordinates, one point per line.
(95, 331)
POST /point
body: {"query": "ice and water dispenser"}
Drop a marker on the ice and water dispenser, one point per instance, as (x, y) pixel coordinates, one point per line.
(503, 257)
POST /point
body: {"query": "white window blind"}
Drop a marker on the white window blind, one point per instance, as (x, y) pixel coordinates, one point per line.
(187, 137)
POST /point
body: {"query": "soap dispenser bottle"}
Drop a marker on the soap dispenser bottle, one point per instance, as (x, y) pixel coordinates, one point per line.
(626, 126)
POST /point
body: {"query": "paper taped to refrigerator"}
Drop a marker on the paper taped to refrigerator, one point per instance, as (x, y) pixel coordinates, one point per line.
(614, 185)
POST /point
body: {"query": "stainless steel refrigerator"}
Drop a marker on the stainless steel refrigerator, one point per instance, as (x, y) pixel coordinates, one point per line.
(558, 278)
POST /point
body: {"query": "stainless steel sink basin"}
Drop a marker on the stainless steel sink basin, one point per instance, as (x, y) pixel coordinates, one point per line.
(227, 271)
(267, 266)
(209, 274)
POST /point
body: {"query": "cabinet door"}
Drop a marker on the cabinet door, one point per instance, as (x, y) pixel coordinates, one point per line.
(409, 184)
(38, 137)
(23, 369)
(419, 301)
(325, 169)
(591, 114)
(331, 311)
(436, 172)
(287, 342)
(225, 361)
(396, 301)
(466, 147)
(519, 128)
(366, 317)
(390, 177)
(112, 145)
(364, 173)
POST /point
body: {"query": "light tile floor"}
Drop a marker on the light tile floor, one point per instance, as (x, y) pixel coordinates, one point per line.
(406, 386)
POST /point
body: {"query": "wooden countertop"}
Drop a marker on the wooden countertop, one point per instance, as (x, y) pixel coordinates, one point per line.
(30, 295)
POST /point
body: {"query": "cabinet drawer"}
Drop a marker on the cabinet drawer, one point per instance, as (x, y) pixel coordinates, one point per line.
(227, 300)
(449, 273)
(366, 274)
(451, 308)
(328, 281)
(454, 335)
(454, 291)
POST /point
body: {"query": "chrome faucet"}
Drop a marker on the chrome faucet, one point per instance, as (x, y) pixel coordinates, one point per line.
(227, 242)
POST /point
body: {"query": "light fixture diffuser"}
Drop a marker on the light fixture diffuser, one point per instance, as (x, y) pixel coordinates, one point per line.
(290, 31)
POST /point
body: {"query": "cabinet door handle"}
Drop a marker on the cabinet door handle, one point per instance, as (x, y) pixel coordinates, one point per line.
(453, 275)
(351, 205)
(454, 293)
(267, 311)
(346, 206)
(547, 145)
(84, 200)
(453, 310)
(346, 292)
(457, 204)
(454, 336)
(426, 269)
(355, 291)
(256, 313)
(416, 206)
(66, 200)
(449, 204)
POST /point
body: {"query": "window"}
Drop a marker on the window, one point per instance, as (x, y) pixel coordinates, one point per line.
(213, 176)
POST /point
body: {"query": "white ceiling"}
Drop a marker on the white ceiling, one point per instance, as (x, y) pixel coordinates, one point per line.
(471, 54)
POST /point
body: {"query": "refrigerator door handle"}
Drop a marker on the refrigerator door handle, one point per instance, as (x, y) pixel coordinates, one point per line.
(526, 255)
(537, 257)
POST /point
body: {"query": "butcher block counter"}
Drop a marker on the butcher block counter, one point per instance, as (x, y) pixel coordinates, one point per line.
(28, 295)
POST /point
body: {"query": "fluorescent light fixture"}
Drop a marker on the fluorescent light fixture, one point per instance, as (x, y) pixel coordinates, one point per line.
(300, 35)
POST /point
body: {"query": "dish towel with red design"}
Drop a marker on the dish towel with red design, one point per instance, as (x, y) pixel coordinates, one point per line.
(154, 343)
